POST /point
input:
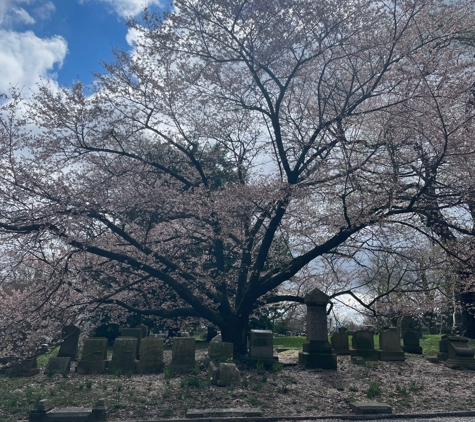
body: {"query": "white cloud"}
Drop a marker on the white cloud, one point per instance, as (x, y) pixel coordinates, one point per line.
(132, 36)
(11, 13)
(128, 8)
(22, 16)
(25, 58)
(44, 11)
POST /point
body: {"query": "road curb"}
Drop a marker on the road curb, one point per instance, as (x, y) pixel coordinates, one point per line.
(322, 417)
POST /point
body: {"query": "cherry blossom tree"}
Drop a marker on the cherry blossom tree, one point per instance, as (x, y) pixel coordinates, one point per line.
(241, 144)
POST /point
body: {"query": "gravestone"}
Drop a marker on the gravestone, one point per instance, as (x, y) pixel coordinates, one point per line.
(133, 332)
(411, 343)
(183, 354)
(390, 346)
(340, 344)
(443, 348)
(69, 346)
(223, 374)
(317, 351)
(289, 334)
(94, 356)
(460, 354)
(343, 330)
(57, 365)
(220, 351)
(144, 329)
(261, 345)
(25, 368)
(363, 346)
(151, 355)
(123, 355)
(228, 375)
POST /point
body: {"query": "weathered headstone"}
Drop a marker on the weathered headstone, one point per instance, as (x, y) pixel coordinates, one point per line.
(69, 346)
(223, 374)
(411, 343)
(229, 374)
(133, 332)
(317, 351)
(390, 346)
(25, 368)
(220, 351)
(289, 334)
(261, 345)
(123, 355)
(183, 354)
(58, 365)
(144, 329)
(340, 344)
(94, 356)
(363, 346)
(151, 355)
(460, 354)
(443, 348)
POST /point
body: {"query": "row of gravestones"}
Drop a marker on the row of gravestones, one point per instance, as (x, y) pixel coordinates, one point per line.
(363, 346)
(389, 341)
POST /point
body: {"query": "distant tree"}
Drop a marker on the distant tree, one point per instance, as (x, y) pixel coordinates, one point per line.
(241, 145)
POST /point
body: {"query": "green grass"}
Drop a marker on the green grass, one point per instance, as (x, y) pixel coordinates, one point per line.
(289, 341)
(429, 343)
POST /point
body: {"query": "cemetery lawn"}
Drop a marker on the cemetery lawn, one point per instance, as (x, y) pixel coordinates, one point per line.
(284, 390)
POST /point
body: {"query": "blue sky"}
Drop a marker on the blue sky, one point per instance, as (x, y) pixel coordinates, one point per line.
(62, 40)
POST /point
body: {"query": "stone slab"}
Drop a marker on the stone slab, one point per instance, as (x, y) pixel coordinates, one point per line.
(224, 413)
(391, 356)
(370, 408)
(366, 354)
(58, 365)
(69, 414)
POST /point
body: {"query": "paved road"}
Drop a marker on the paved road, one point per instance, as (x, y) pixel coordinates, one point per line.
(448, 419)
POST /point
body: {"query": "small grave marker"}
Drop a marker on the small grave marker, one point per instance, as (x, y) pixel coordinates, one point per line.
(58, 365)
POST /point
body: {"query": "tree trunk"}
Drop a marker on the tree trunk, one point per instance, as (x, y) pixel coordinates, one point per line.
(236, 331)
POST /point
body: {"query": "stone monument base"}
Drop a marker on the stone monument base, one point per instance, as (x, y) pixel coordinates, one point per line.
(460, 363)
(390, 355)
(365, 354)
(94, 367)
(417, 350)
(341, 352)
(317, 354)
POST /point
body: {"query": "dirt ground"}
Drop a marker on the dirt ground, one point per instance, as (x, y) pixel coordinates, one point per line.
(409, 387)
(286, 390)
